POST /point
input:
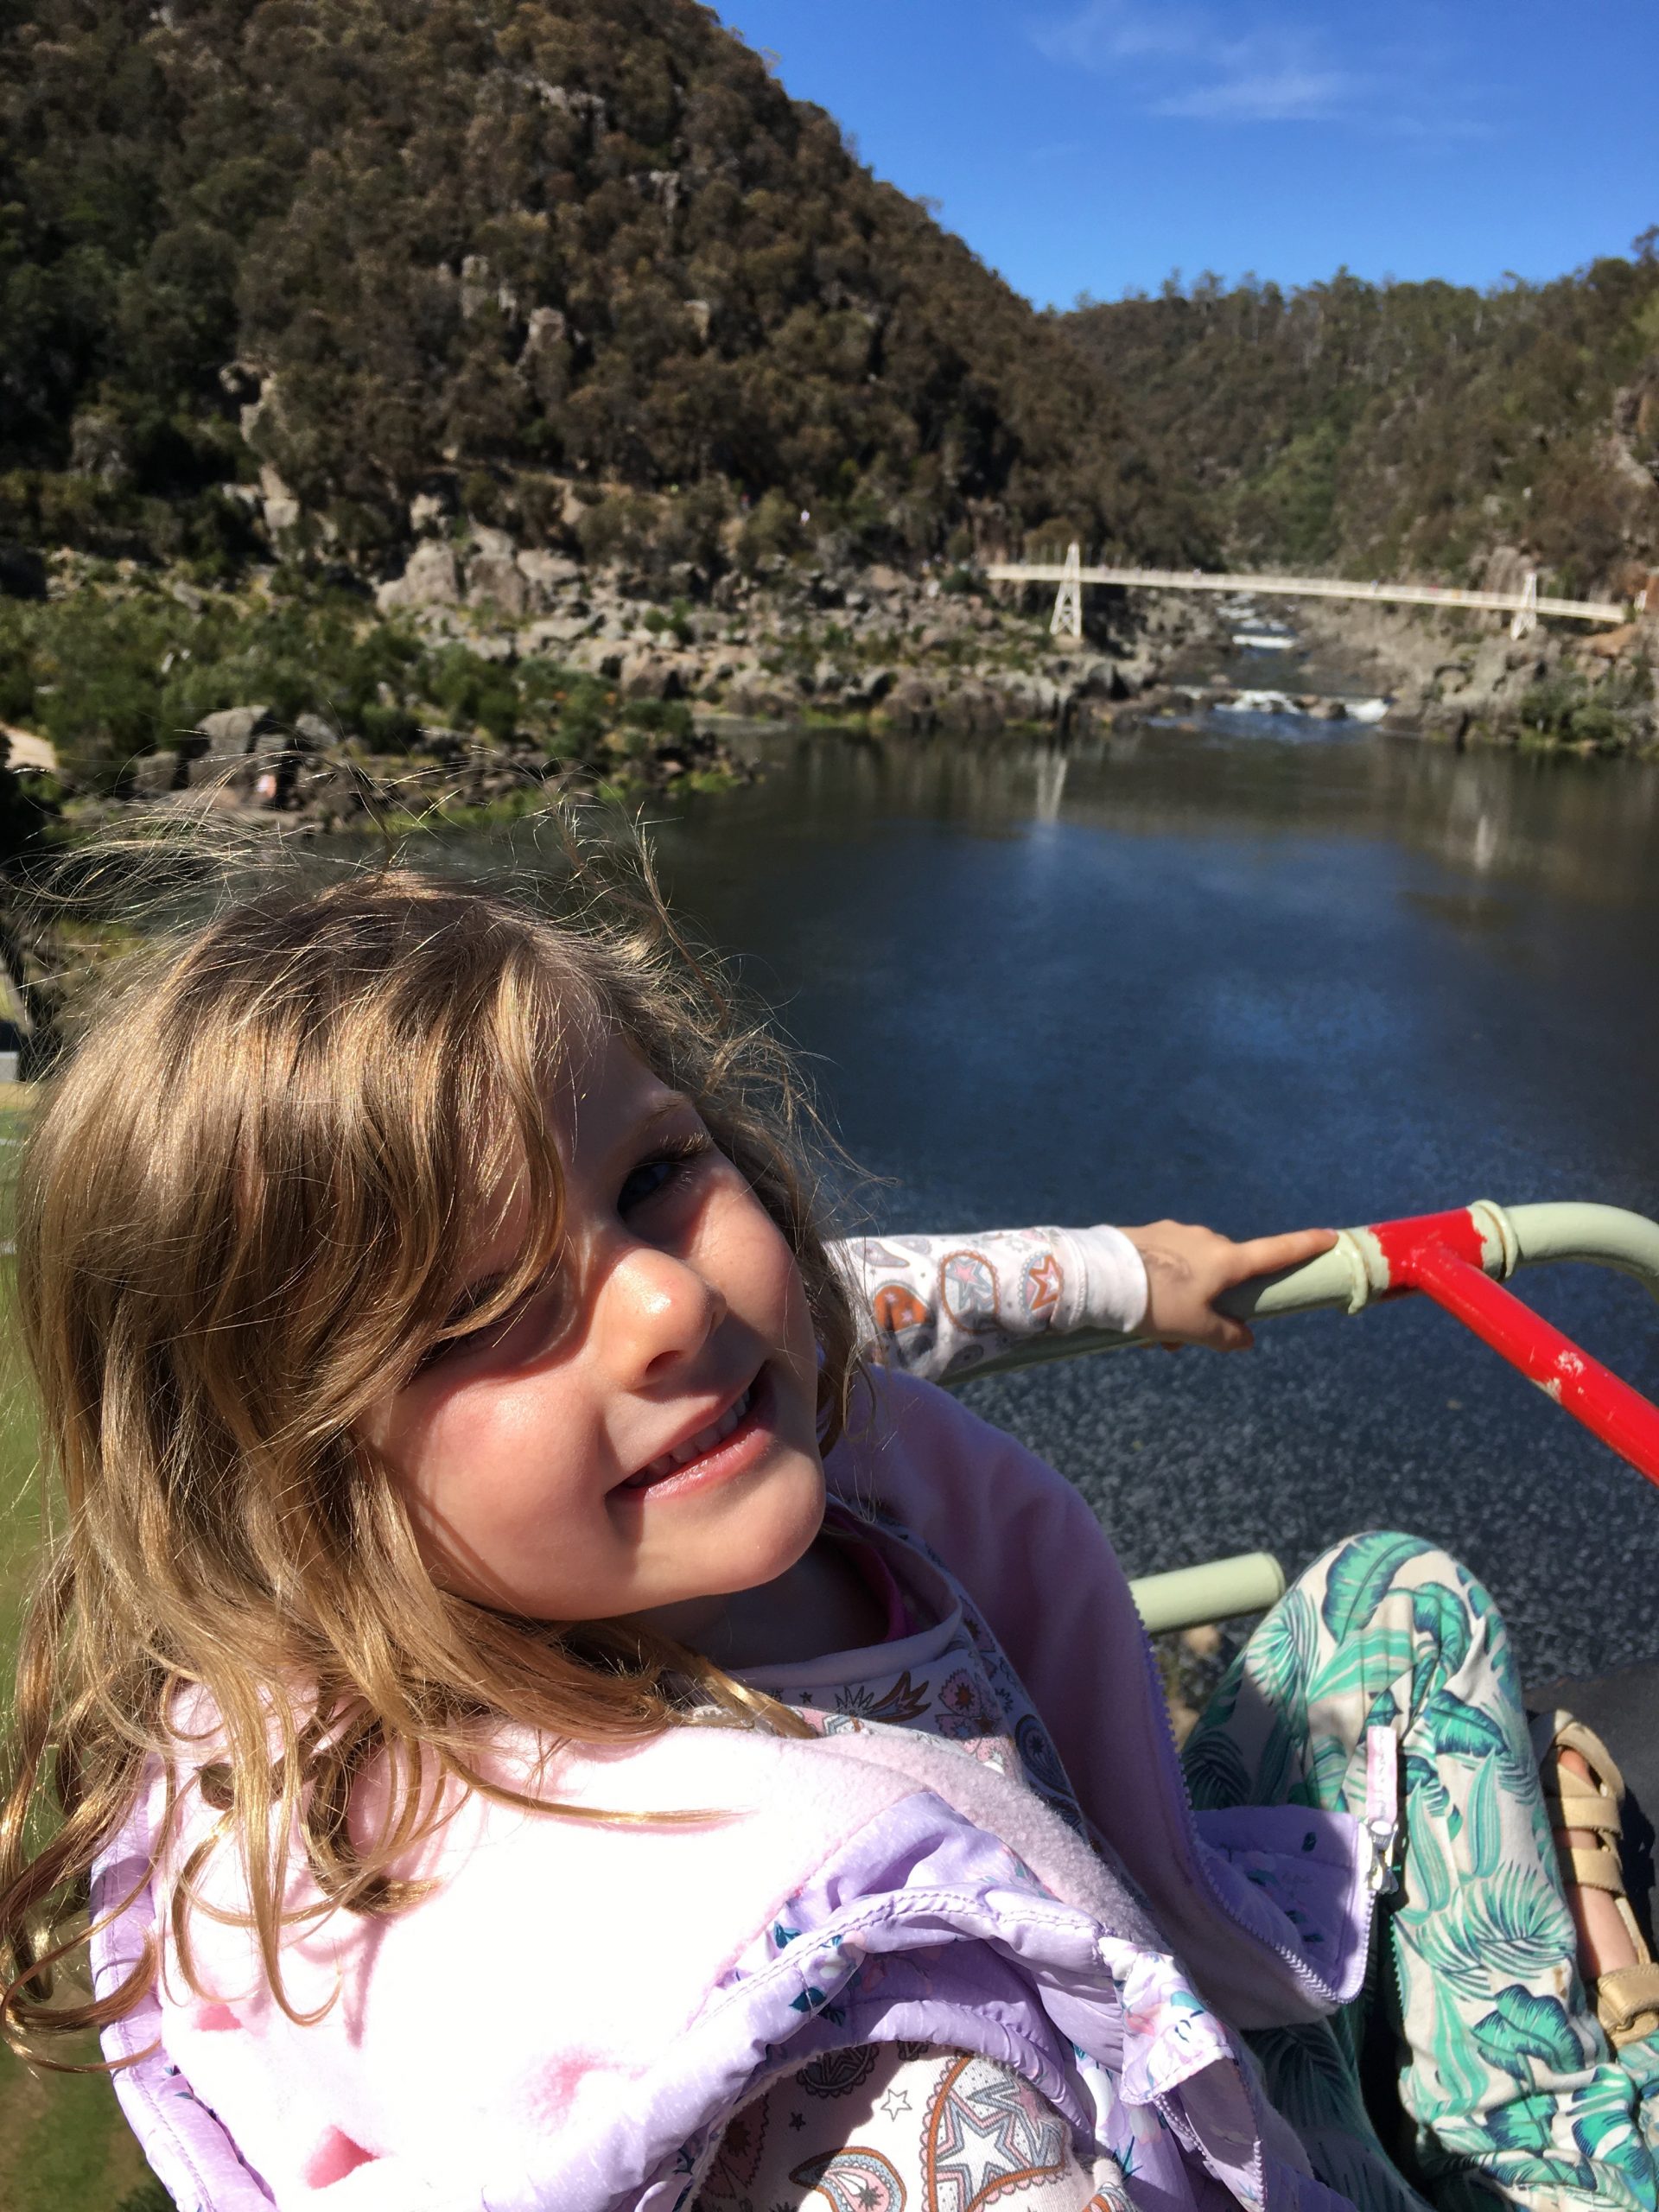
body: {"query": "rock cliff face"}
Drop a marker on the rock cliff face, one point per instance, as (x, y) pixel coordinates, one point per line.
(360, 263)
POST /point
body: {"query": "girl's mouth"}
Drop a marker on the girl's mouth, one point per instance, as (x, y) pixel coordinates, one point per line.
(721, 1448)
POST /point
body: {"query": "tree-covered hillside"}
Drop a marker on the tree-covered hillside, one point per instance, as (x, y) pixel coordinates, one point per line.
(533, 246)
(1387, 429)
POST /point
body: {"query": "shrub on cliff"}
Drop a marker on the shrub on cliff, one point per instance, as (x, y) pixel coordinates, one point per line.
(358, 240)
(109, 677)
(1375, 428)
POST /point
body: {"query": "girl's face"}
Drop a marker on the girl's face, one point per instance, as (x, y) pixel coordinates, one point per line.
(640, 1433)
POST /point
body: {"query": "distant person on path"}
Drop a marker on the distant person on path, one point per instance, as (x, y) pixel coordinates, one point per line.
(552, 1707)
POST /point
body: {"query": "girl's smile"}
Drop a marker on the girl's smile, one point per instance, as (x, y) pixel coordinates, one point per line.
(722, 1447)
(641, 1431)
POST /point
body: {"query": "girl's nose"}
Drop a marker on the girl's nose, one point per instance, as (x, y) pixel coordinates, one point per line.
(658, 1311)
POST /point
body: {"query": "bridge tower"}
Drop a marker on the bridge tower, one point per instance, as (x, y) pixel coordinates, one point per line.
(1067, 618)
(1525, 618)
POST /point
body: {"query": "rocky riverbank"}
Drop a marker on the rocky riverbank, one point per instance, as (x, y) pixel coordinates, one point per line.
(912, 653)
(482, 673)
(1463, 680)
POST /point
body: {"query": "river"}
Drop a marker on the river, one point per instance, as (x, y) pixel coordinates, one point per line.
(1257, 973)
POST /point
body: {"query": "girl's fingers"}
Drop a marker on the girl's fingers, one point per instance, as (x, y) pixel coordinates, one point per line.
(1265, 1256)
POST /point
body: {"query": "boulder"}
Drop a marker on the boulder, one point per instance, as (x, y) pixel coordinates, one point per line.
(870, 686)
(313, 734)
(763, 696)
(24, 751)
(1096, 677)
(545, 334)
(555, 632)
(1036, 698)
(1446, 721)
(232, 730)
(596, 657)
(548, 573)
(153, 775)
(972, 709)
(496, 580)
(428, 511)
(648, 675)
(430, 579)
(283, 510)
(910, 707)
(1138, 672)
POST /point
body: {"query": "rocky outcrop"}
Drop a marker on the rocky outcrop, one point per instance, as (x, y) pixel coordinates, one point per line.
(233, 730)
(430, 578)
(1466, 681)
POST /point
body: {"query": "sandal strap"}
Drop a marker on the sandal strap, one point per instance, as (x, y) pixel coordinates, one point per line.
(1627, 2002)
(1554, 1732)
(1592, 1868)
(1576, 1803)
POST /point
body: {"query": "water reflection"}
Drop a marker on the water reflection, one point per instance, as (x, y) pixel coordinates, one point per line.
(1589, 828)
(1258, 983)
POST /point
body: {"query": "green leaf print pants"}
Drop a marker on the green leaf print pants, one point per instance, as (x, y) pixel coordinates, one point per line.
(1470, 2068)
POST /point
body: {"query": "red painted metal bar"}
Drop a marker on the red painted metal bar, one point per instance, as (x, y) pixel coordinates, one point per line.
(1445, 1256)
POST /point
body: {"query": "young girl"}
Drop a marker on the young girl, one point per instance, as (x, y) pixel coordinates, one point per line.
(549, 1725)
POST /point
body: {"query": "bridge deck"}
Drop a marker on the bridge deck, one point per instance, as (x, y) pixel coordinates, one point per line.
(1499, 602)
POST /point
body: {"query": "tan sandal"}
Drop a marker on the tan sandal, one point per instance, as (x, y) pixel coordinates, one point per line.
(1626, 1998)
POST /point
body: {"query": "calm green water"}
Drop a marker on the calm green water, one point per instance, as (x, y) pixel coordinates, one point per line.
(1262, 978)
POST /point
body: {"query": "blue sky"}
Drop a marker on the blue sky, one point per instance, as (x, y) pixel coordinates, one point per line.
(1094, 145)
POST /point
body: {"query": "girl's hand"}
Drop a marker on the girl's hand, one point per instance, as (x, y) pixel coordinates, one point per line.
(1188, 1268)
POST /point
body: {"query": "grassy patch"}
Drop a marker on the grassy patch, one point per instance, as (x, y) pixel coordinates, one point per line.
(63, 2146)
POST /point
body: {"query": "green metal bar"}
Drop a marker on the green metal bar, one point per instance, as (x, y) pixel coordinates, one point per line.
(1348, 1277)
(1247, 1583)
(1520, 1236)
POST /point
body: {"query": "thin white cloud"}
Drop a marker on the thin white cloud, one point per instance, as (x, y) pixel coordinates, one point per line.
(1180, 61)
(1289, 95)
(1105, 31)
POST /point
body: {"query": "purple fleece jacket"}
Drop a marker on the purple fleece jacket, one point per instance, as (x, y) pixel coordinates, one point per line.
(573, 2013)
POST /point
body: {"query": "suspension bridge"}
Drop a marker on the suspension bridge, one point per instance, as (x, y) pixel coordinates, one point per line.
(1524, 607)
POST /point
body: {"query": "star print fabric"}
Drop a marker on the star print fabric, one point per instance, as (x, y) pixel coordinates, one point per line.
(949, 1679)
(905, 2127)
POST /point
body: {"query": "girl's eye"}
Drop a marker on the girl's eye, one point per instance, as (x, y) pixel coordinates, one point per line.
(663, 1171)
(474, 1340)
(537, 1310)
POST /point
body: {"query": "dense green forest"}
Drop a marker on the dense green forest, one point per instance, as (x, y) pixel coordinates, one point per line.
(272, 270)
(1398, 428)
(589, 248)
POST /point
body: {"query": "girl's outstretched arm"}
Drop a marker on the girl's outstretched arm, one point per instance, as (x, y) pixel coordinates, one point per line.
(941, 1305)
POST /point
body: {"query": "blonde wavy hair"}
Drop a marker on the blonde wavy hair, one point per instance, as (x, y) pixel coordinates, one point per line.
(242, 1215)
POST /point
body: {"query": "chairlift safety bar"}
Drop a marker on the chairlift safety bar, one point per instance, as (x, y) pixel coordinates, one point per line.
(1461, 1260)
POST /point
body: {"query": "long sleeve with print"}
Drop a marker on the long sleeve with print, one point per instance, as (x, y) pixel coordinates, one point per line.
(940, 1305)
